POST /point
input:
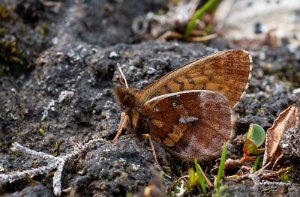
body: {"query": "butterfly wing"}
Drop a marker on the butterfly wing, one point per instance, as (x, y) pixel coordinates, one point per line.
(226, 72)
(191, 124)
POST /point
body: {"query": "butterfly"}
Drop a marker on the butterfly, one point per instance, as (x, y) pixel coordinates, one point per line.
(188, 111)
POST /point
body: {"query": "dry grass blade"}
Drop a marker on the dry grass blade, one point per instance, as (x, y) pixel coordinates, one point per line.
(286, 119)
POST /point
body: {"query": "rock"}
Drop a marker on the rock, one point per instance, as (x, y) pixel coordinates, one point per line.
(119, 167)
(34, 191)
(290, 144)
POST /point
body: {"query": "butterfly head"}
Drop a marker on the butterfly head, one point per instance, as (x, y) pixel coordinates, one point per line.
(127, 100)
(125, 97)
(124, 94)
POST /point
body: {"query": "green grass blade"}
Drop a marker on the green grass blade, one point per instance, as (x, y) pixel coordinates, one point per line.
(199, 13)
(221, 167)
(200, 177)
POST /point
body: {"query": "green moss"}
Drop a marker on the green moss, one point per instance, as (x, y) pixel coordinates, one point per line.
(56, 148)
(43, 30)
(42, 131)
(3, 12)
(100, 177)
(221, 189)
(13, 60)
(285, 178)
(260, 111)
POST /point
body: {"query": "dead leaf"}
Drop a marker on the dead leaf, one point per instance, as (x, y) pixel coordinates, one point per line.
(286, 119)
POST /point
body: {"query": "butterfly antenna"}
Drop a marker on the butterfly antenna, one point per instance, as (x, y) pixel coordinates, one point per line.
(122, 74)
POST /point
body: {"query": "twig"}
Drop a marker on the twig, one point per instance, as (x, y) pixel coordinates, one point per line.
(277, 161)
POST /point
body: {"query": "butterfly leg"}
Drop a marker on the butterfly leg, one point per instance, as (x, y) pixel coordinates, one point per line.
(147, 136)
(122, 125)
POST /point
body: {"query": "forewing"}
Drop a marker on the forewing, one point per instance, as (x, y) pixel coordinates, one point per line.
(226, 72)
(191, 124)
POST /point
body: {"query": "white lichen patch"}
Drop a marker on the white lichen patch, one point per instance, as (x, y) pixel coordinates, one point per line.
(65, 95)
(50, 106)
(135, 167)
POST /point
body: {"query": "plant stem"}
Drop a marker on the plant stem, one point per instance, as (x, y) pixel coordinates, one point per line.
(199, 13)
(200, 177)
(221, 167)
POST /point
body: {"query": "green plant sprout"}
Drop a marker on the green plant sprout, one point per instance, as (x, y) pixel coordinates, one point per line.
(192, 178)
(255, 138)
(201, 179)
(198, 14)
(221, 169)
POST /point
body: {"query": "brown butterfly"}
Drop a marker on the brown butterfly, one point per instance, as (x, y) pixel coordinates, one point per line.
(188, 111)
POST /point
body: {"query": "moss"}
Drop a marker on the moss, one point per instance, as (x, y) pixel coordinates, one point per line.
(42, 131)
(101, 177)
(43, 30)
(56, 148)
(13, 60)
(260, 111)
(3, 12)
(285, 178)
(221, 191)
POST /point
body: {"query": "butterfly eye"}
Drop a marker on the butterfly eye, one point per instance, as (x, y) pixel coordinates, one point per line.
(128, 101)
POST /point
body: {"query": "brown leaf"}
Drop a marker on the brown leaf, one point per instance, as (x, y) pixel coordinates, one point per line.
(286, 119)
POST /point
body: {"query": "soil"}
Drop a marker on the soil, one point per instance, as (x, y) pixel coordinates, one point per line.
(58, 73)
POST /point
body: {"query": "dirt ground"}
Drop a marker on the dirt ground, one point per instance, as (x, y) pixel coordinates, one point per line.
(57, 68)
